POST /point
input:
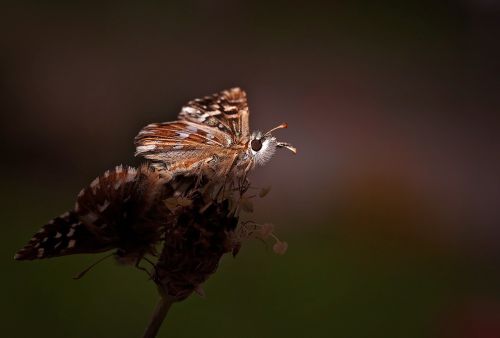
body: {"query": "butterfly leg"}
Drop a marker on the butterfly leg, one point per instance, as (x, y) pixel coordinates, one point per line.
(138, 266)
(243, 184)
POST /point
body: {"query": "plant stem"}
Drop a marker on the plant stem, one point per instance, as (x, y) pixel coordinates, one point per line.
(158, 316)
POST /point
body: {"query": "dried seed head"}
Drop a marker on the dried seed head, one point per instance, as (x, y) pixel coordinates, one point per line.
(264, 191)
(204, 227)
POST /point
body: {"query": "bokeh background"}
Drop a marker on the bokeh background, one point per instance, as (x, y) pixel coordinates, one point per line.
(391, 207)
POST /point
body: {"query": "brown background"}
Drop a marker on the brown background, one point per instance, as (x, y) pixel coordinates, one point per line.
(391, 207)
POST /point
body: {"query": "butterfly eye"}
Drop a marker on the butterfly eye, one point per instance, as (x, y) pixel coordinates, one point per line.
(256, 145)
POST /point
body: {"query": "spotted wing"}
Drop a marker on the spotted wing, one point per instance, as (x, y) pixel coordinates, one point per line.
(227, 111)
(111, 213)
(63, 235)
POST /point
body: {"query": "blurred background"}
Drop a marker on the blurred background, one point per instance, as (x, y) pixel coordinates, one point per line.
(390, 208)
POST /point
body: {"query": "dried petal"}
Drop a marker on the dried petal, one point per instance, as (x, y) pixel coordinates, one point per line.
(264, 231)
(264, 191)
(184, 202)
(246, 205)
(245, 230)
(171, 203)
(236, 249)
(280, 247)
(199, 290)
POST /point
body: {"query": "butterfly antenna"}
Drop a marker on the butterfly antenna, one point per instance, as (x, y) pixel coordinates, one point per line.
(281, 126)
(287, 146)
(283, 144)
(84, 272)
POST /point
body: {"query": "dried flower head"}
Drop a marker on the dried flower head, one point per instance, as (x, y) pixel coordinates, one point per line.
(193, 246)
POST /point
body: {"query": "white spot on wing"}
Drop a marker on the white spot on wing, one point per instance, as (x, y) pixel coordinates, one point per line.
(40, 252)
(103, 206)
(192, 128)
(58, 234)
(178, 147)
(71, 232)
(182, 135)
(95, 183)
(142, 149)
(190, 110)
(131, 173)
(90, 218)
(71, 243)
(146, 132)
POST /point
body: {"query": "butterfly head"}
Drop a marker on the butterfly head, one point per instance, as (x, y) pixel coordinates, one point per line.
(262, 146)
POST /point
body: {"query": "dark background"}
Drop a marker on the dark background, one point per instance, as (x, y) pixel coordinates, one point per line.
(391, 206)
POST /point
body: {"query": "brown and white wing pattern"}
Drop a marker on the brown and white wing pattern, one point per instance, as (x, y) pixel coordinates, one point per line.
(209, 134)
(117, 210)
(63, 235)
(180, 144)
(226, 110)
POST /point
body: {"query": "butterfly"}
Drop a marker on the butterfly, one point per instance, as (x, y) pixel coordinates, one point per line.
(129, 209)
(211, 137)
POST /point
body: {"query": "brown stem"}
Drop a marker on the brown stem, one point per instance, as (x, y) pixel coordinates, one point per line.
(158, 316)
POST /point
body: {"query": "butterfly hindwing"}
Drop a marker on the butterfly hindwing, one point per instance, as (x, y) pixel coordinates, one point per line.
(226, 110)
(63, 235)
(113, 209)
(103, 204)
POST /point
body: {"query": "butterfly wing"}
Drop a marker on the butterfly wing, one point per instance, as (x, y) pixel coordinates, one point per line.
(180, 143)
(115, 208)
(226, 110)
(63, 235)
(206, 129)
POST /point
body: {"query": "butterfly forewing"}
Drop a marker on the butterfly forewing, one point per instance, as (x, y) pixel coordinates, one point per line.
(210, 128)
